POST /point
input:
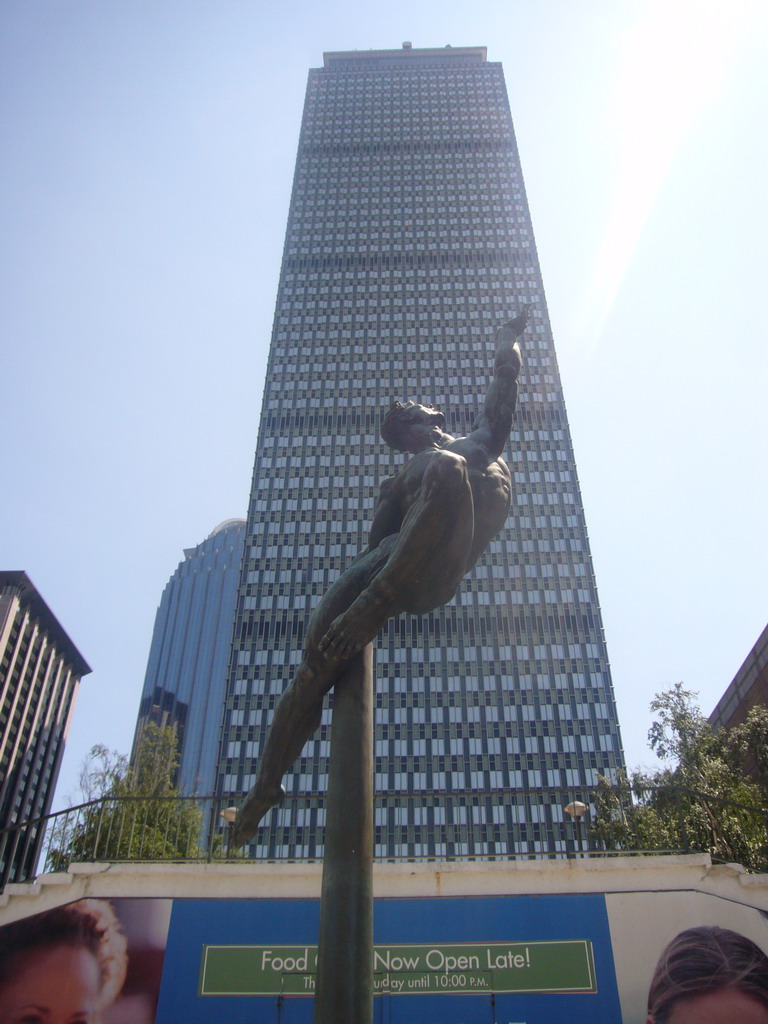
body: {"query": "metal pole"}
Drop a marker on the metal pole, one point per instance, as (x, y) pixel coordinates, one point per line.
(344, 993)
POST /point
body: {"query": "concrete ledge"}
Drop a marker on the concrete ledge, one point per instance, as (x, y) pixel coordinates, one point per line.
(301, 880)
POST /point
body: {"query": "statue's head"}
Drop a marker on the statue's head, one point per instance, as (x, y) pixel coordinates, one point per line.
(410, 427)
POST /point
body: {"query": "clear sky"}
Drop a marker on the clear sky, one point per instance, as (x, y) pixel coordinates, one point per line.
(145, 174)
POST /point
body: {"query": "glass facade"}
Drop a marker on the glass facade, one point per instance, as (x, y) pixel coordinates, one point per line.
(408, 243)
(186, 674)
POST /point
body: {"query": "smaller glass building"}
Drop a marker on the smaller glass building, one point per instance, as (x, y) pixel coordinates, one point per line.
(187, 669)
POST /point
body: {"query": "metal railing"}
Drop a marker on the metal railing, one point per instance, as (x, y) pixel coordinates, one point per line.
(140, 828)
(615, 820)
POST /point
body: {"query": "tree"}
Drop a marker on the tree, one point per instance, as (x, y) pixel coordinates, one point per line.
(710, 794)
(681, 728)
(749, 747)
(131, 811)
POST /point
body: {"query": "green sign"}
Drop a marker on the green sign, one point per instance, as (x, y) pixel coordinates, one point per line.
(407, 970)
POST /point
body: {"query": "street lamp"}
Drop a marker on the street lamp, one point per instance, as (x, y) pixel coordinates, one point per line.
(576, 809)
(228, 815)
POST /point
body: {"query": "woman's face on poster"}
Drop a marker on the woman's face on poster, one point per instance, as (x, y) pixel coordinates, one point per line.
(52, 985)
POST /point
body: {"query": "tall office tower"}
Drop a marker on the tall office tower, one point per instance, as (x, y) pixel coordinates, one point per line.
(408, 244)
(40, 672)
(186, 674)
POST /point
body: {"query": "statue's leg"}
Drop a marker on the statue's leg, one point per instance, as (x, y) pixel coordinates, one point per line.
(426, 562)
(298, 712)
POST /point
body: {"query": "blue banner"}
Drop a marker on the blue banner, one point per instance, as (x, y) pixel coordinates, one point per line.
(493, 936)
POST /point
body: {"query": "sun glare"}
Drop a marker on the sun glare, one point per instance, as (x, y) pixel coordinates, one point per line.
(676, 58)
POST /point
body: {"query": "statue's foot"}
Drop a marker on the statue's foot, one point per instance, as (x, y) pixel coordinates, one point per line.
(257, 803)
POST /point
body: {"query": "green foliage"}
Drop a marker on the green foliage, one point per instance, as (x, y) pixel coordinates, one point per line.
(132, 811)
(680, 727)
(749, 745)
(704, 800)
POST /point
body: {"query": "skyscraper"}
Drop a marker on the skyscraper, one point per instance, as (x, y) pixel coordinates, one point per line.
(409, 242)
(186, 674)
(40, 672)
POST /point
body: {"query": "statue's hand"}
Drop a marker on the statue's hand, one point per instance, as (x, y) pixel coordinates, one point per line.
(342, 641)
(515, 327)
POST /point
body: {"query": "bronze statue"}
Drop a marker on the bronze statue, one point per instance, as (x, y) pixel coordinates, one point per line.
(433, 520)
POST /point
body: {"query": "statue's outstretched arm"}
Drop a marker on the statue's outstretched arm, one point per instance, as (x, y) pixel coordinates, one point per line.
(492, 426)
